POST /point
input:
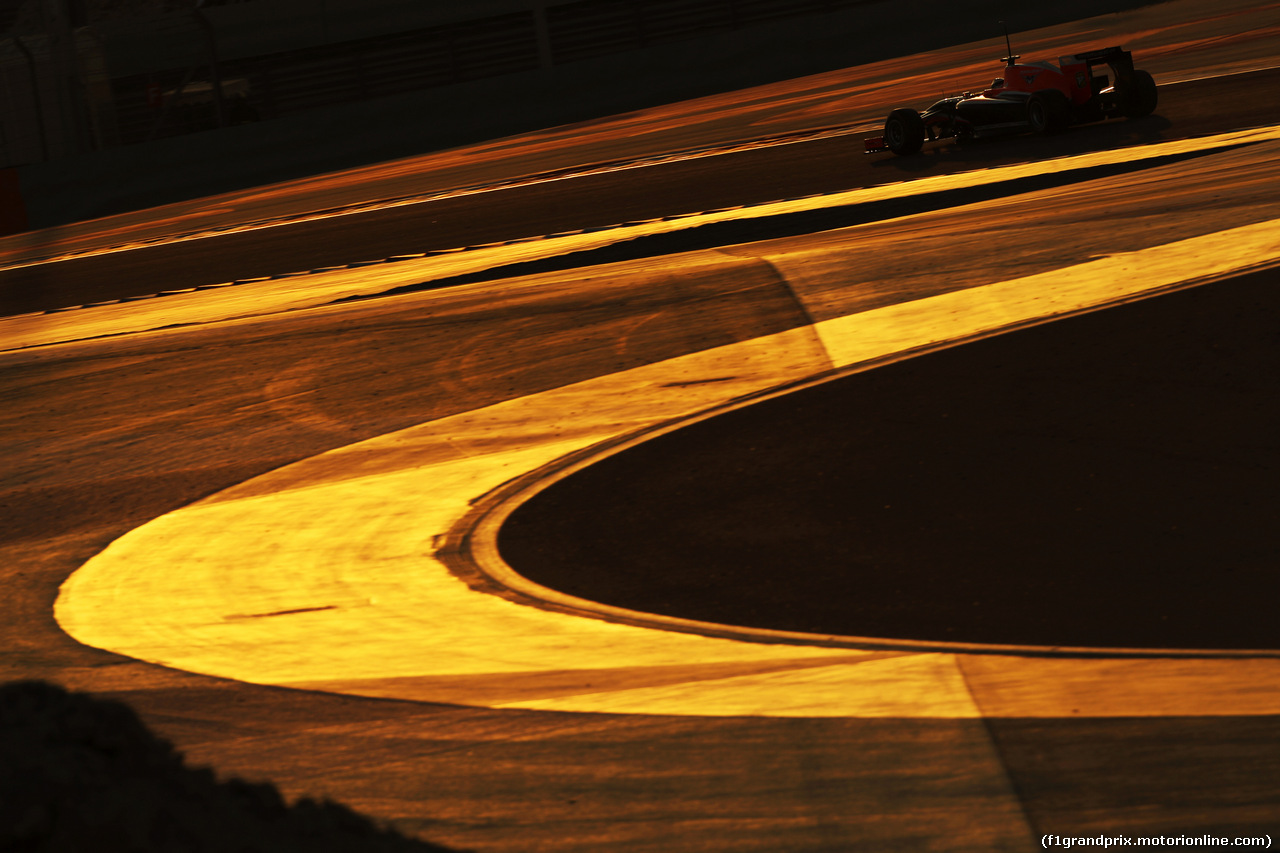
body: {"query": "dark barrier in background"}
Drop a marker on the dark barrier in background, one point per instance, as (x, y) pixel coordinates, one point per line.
(332, 106)
(13, 213)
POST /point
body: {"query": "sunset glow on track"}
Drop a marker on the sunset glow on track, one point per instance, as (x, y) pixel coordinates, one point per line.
(358, 564)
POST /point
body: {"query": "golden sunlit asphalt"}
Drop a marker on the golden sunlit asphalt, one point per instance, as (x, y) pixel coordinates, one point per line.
(261, 485)
(359, 564)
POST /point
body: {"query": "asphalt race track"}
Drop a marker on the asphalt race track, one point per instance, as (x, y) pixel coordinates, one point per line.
(256, 513)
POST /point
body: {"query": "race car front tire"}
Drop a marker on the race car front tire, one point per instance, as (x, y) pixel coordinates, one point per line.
(904, 132)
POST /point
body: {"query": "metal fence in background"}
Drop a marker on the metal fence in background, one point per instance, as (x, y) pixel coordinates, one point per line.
(204, 93)
(587, 28)
(175, 101)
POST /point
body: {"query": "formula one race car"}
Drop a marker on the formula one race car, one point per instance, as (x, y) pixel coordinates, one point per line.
(1037, 98)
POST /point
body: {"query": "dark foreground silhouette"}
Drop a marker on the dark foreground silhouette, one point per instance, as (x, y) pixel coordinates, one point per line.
(78, 774)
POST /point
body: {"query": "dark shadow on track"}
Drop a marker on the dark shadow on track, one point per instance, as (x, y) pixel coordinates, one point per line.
(952, 156)
(1105, 480)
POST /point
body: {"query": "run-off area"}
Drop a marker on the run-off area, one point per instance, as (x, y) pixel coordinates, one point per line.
(1106, 480)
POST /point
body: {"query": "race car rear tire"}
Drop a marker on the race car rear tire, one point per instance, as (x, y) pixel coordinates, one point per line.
(904, 132)
(1048, 112)
(1140, 97)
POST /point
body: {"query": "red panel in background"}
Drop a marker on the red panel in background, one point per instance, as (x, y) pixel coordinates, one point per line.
(13, 213)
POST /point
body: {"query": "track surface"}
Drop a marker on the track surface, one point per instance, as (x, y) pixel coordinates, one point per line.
(749, 176)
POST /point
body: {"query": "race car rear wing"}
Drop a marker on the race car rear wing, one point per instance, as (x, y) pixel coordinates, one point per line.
(1117, 57)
